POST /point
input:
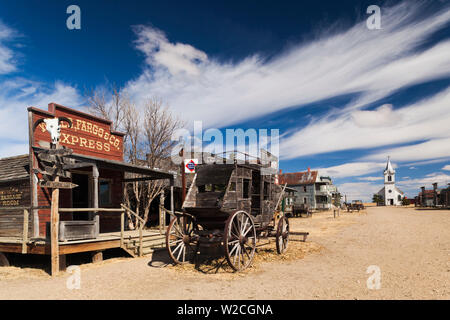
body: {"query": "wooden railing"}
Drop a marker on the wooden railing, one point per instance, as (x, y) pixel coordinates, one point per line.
(26, 217)
(139, 222)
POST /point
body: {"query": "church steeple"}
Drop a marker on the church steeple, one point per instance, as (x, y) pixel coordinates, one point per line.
(389, 172)
(391, 194)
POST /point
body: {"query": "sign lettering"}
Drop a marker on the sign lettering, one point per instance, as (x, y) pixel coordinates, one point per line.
(10, 197)
(101, 139)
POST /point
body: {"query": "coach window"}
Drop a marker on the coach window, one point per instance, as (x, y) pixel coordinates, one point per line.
(104, 192)
(246, 189)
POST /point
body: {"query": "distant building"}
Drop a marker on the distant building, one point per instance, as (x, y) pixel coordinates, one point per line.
(434, 198)
(313, 190)
(392, 196)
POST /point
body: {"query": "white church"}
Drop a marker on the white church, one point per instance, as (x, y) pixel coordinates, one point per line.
(392, 196)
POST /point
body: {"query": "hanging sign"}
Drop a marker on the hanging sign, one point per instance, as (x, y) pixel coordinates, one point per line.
(189, 165)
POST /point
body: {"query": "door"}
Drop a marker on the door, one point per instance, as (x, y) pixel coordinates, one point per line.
(80, 195)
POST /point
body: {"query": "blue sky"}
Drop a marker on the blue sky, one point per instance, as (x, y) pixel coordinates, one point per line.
(344, 97)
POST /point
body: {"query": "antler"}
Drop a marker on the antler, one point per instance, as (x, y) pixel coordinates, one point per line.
(37, 123)
(60, 119)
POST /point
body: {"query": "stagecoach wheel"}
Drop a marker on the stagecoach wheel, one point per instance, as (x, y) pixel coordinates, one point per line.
(282, 239)
(181, 241)
(240, 240)
(3, 260)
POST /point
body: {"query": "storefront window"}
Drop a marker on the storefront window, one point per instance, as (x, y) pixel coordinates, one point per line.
(104, 193)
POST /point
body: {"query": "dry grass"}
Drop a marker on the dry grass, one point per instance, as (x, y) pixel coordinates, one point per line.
(265, 253)
(13, 273)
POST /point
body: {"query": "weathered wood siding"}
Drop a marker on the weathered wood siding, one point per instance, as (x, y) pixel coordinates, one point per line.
(14, 194)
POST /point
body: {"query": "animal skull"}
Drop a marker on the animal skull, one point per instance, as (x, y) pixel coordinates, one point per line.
(53, 126)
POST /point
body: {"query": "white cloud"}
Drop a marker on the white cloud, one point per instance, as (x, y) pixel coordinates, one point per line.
(446, 167)
(424, 120)
(352, 169)
(177, 58)
(359, 190)
(18, 94)
(7, 62)
(370, 178)
(12, 149)
(414, 184)
(435, 148)
(381, 117)
(356, 60)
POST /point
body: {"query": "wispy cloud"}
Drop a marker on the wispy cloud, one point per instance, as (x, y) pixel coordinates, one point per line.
(352, 169)
(359, 190)
(441, 178)
(7, 61)
(17, 93)
(446, 167)
(370, 63)
(370, 178)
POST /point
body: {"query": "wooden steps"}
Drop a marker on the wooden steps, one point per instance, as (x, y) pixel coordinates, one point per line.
(149, 243)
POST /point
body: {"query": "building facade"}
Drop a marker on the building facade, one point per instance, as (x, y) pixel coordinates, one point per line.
(392, 196)
(314, 191)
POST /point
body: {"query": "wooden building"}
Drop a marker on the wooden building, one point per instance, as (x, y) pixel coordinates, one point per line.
(91, 215)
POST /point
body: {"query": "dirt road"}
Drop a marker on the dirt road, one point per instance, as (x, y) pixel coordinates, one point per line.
(411, 248)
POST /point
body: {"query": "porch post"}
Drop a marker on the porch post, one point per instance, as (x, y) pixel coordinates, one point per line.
(172, 209)
(95, 176)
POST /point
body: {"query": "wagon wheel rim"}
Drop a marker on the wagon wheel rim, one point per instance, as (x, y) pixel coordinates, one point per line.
(240, 240)
(282, 239)
(181, 239)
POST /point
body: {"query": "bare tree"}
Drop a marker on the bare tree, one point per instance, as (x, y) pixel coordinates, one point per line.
(159, 126)
(148, 131)
(109, 103)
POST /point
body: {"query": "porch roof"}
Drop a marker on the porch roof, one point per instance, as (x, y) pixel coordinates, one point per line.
(86, 161)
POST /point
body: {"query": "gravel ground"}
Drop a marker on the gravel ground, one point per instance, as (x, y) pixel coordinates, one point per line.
(410, 247)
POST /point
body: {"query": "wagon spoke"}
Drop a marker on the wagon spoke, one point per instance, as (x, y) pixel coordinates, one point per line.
(177, 248)
(245, 250)
(180, 252)
(239, 240)
(250, 228)
(234, 248)
(175, 242)
(236, 228)
(244, 225)
(239, 258)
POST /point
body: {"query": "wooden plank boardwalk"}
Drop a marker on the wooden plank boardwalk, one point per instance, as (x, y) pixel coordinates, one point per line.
(151, 239)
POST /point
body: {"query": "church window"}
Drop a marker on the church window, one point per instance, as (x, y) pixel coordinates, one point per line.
(389, 178)
(390, 191)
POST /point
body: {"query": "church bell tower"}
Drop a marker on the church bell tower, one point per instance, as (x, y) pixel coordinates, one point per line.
(389, 184)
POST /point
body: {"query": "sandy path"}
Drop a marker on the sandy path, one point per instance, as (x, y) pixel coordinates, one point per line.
(411, 248)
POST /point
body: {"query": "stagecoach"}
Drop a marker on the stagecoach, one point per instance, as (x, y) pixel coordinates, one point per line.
(229, 206)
